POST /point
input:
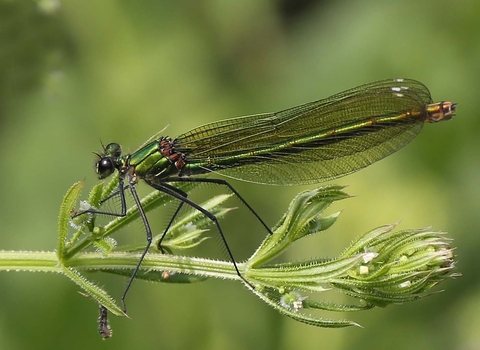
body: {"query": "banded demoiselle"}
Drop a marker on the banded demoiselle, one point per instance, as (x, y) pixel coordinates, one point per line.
(307, 144)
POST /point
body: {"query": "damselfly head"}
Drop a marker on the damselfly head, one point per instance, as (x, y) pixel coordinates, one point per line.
(106, 163)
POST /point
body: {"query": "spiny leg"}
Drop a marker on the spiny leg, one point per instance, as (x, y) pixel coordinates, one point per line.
(120, 192)
(149, 240)
(123, 212)
(209, 215)
(223, 183)
(113, 194)
(172, 219)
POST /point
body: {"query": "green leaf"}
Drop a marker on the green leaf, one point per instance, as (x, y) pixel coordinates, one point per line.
(302, 218)
(64, 217)
(290, 304)
(94, 291)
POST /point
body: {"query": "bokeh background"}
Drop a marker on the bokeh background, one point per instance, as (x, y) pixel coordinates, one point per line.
(75, 72)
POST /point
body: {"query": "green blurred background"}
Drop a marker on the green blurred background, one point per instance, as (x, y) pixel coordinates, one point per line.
(75, 72)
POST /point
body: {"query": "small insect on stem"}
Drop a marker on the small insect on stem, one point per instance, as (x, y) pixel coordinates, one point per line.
(306, 144)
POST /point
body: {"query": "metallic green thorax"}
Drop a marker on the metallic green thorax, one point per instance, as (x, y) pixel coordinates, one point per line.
(152, 161)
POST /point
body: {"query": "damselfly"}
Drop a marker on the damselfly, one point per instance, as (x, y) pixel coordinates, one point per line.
(307, 144)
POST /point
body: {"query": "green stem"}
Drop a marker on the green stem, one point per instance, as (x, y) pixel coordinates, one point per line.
(29, 261)
(48, 262)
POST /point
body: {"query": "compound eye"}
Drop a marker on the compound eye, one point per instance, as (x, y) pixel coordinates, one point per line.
(105, 167)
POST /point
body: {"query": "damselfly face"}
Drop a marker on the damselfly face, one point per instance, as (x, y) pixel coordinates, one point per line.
(108, 160)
